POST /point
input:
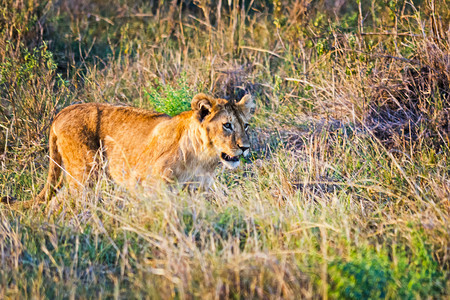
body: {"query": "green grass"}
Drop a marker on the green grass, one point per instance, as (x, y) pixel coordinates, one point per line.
(345, 196)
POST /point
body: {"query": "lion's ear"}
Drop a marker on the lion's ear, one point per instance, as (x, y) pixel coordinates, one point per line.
(202, 104)
(247, 105)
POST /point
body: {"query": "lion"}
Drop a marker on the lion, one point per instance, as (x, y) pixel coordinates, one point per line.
(142, 147)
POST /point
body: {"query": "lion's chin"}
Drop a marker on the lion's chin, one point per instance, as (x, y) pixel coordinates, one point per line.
(231, 165)
(230, 162)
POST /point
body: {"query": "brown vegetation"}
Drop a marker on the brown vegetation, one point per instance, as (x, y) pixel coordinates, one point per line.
(346, 191)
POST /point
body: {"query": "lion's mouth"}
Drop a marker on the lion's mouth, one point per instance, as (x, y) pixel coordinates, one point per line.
(229, 158)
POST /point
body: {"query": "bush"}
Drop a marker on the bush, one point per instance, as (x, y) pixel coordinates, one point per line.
(402, 274)
(170, 100)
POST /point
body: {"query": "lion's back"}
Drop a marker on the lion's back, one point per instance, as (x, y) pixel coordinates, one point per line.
(99, 120)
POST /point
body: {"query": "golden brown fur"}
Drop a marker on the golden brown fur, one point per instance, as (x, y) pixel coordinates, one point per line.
(142, 147)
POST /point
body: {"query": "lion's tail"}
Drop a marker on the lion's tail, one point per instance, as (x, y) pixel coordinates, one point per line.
(54, 179)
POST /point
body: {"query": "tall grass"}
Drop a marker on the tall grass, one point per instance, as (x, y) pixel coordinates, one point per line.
(347, 191)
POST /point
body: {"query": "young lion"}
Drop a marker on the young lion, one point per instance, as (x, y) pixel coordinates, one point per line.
(142, 147)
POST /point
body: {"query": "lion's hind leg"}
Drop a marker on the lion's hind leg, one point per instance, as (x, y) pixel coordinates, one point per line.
(80, 161)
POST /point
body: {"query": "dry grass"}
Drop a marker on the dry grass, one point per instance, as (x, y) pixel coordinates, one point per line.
(346, 195)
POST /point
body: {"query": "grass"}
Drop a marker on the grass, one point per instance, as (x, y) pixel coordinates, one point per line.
(346, 194)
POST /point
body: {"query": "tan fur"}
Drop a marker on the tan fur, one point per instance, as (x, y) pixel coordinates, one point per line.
(143, 147)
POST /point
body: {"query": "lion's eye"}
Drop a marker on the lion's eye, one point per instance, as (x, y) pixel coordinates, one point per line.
(246, 126)
(228, 126)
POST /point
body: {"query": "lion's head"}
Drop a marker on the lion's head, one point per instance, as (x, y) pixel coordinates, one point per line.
(224, 125)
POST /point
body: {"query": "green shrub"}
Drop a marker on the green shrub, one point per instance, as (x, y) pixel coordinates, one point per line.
(168, 99)
(365, 275)
(402, 274)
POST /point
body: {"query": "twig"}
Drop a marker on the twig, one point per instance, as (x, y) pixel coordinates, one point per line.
(391, 33)
(65, 171)
(262, 50)
(141, 15)
(202, 22)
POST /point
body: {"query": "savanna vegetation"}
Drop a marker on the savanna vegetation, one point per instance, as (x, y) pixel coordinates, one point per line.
(346, 193)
